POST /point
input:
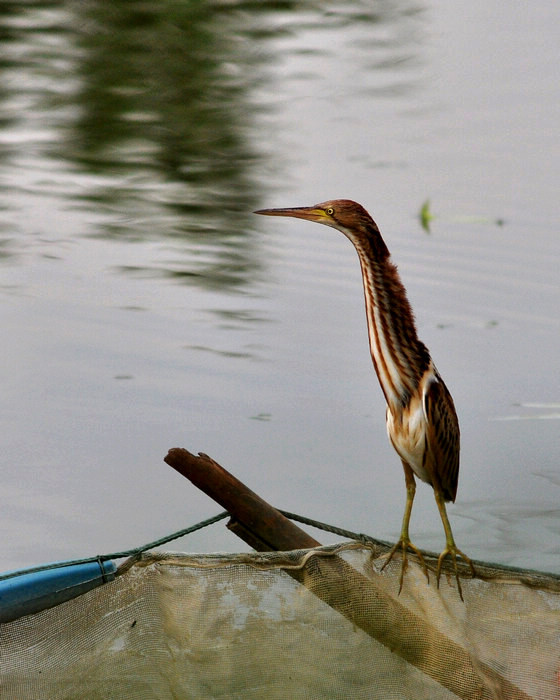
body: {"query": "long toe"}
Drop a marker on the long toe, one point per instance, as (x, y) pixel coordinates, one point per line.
(453, 552)
(403, 545)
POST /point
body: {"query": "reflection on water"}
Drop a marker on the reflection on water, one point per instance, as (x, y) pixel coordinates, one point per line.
(161, 95)
(139, 113)
(136, 139)
(142, 114)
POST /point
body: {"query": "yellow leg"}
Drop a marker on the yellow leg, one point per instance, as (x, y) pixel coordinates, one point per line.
(451, 550)
(404, 543)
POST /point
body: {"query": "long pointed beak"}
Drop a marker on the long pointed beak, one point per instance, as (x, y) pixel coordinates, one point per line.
(307, 213)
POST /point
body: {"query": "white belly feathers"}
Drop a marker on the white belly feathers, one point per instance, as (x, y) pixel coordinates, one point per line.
(407, 433)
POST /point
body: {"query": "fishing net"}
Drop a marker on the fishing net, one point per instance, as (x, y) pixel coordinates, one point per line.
(322, 623)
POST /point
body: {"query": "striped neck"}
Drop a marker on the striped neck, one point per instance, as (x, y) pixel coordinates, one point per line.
(399, 357)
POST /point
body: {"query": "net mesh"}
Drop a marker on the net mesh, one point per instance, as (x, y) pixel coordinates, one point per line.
(322, 623)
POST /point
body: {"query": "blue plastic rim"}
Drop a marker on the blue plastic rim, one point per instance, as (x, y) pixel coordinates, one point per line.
(28, 592)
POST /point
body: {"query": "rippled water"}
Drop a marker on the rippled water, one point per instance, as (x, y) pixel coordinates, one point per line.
(144, 306)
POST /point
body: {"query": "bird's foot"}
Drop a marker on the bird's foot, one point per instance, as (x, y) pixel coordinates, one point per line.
(403, 545)
(453, 552)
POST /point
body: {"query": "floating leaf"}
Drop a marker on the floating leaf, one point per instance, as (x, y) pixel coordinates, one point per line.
(426, 216)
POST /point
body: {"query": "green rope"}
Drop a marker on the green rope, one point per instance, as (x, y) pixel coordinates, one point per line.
(333, 529)
(137, 551)
(132, 555)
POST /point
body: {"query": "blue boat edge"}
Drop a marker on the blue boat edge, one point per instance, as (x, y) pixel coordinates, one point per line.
(27, 592)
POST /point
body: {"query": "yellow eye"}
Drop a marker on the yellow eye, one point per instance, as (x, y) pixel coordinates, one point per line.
(330, 211)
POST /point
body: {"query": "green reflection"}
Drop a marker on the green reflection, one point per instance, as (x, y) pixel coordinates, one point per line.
(139, 113)
(162, 92)
(146, 114)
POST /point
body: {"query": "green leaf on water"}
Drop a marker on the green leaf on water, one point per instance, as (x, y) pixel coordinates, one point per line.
(426, 216)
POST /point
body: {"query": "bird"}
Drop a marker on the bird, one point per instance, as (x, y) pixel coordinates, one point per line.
(422, 422)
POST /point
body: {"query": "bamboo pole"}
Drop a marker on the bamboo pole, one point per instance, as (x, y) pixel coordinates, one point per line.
(384, 618)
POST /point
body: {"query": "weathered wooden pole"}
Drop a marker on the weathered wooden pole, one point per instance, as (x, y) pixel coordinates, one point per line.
(253, 519)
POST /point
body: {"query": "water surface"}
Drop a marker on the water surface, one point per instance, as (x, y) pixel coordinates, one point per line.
(145, 307)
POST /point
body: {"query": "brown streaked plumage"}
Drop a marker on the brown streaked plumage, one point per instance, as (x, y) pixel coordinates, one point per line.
(421, 420)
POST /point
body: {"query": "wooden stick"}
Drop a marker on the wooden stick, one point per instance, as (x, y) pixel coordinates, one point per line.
(383, 618)
(264, 523)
